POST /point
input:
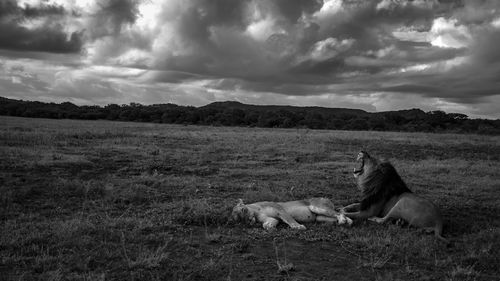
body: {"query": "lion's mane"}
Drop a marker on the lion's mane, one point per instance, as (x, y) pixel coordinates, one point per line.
(380, 184)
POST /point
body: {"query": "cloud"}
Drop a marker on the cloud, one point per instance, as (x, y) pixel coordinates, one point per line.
(110, 16)
(17, 31)
(329, 48)
(383, 53)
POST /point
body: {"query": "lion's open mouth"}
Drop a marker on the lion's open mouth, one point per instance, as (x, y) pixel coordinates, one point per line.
(359, 170)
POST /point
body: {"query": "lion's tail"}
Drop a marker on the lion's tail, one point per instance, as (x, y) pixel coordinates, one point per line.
(441, 238)
(438, 231)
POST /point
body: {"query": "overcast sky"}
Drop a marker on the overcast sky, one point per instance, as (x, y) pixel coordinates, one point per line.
(373, 55)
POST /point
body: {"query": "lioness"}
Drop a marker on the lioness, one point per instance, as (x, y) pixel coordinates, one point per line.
(291, 212)
(386, 197)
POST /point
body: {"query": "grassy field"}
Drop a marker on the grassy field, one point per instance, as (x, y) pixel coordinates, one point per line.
(98, 200)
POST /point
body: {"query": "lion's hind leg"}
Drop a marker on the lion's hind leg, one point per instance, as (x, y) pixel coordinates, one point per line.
(392, 214)
(379, 220)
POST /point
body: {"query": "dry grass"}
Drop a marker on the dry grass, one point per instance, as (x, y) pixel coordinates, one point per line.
(98, 200)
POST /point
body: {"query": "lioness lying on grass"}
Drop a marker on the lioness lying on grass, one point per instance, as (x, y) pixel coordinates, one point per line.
(292, 213)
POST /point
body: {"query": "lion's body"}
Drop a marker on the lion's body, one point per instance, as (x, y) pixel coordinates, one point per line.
(292, 213)
(415, 210)
(386, 197)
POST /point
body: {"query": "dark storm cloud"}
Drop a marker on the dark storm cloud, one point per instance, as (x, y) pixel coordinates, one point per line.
(48, 37)
(364, 22)
(485, 47)
(198, 16)
(477, 12)
(311, 67)
(371, 26)
(11, 7)
(42, 11)
(194, 21)
(49, 34)
(413, 88)
(216, 32)
(467, 84)
(8, 7)
(112, 16)
(292, 10)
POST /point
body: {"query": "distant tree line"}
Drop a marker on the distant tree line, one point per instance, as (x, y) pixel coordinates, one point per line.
(238, 114)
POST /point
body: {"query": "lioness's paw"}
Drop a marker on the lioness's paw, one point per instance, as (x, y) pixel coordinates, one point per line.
(342, 219)
(268, 225)
(348, 220)
(299, 226)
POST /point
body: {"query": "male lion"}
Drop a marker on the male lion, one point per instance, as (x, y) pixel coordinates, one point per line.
(386, 197)
(291, 212)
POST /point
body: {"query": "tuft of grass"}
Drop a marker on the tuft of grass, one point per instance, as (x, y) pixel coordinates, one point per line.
(284, 267)
(464, 273)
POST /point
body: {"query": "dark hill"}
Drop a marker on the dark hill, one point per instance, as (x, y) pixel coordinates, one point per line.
(232, 113)
(261, 108)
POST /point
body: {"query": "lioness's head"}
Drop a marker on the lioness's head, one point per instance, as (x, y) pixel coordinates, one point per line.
(241, 213)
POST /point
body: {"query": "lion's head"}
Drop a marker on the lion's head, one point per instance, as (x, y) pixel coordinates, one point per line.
(366, 169)
(377, 180)
(241, 213)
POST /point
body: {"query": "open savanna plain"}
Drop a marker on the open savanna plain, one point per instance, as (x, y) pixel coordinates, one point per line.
(99, 200)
